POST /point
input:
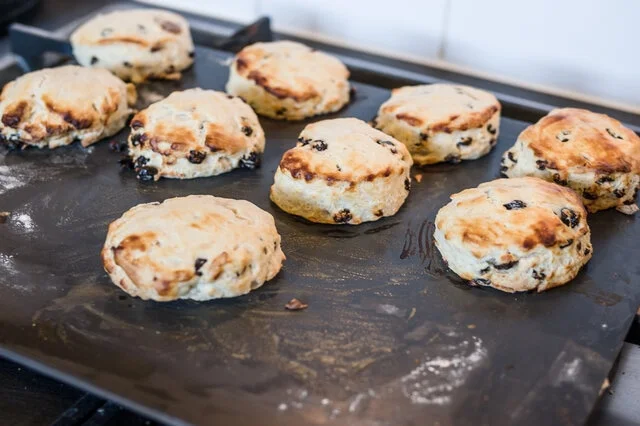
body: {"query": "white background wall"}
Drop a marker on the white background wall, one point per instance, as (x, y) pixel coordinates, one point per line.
(584, 47)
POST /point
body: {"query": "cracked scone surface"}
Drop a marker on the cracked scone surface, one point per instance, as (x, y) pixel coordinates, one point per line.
(198, 247)
(54, 107)
(135, 44)
(441, 122)
(592, 153)
(288, 80)
(514, 234)
(195, 133)
(343, 171)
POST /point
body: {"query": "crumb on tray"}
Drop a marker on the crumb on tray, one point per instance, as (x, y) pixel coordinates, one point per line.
(295, 305)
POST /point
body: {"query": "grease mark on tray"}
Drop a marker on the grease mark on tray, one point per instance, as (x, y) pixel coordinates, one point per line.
(381, 228)
(601, 297)
(339, 233)
(420, 242)
(417, 242)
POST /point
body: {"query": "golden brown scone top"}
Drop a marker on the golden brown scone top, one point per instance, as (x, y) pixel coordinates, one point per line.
(194, 119)
(577, 139)
(155, 248)
(149, 28)
(525, 213)
(287, 69)
(55, 101)
(347, 150)
(441, 107)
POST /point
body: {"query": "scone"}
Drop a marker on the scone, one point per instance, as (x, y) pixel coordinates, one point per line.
(57, 106)
(194, 133)
(441, 122)
(514, 234)
(135, 44)
(592, 153)
(288, 80)
(198, 247)
(343, 171)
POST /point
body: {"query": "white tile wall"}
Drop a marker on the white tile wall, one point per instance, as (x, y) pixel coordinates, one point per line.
(588, 47)
(243, 11)
(401, 26)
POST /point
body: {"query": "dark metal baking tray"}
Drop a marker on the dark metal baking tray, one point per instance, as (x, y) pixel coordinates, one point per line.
(389, 338)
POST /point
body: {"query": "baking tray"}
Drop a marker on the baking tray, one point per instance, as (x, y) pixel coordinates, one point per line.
(389, 338)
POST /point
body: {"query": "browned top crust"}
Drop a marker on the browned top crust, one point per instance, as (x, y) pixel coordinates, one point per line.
(580, 140)
(197, 120)
(346, 150)
(519, 213)
(162, 250)
(287, 69)
(141, 27)
(441, 107)
(58, 101)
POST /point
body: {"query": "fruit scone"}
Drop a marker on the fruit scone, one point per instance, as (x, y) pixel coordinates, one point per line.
(516, 234)
(441, 122)
(135, 44)
(288, 80)
(343, 171)
(197, 247)
(591, 153)
(54, 107)
(194, 133)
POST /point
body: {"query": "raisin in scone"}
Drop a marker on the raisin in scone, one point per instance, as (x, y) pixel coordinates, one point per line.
(58, 106)
(197, 247)
(288, 80)
(343, 171)
(441, 122)
(135, 44)
(514, 234)
(592, 153)
(195, 133)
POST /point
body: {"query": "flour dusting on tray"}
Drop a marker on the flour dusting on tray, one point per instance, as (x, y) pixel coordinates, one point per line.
(9, 180)
(433, 381)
